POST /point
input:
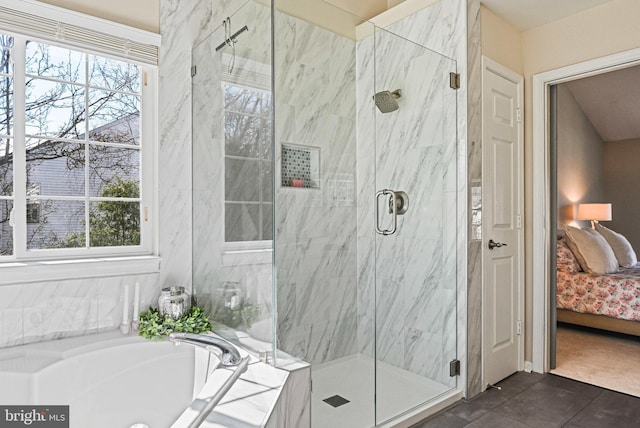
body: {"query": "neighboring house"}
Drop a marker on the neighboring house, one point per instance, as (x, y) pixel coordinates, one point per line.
(57, 169)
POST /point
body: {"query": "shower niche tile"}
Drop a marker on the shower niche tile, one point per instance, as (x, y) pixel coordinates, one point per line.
(300, 166)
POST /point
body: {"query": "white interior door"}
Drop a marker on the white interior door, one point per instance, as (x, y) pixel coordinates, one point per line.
(502, 237)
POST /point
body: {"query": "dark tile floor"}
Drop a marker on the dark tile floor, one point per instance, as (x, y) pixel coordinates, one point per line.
(536, 400)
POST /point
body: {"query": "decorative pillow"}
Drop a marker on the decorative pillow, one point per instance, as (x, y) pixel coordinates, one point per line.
(592, 251)
(620, 245)
(566, 261)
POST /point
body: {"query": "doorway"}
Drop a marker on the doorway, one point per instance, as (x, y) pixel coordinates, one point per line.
(544, 228)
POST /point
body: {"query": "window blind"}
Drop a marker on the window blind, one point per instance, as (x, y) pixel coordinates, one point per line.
(245, 72)
(53, 30)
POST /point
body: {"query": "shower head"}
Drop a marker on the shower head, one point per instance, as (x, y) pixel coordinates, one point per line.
(386, 101)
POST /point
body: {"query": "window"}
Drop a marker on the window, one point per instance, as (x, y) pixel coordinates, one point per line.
(248, 164)
(33, 204)
(71, 121)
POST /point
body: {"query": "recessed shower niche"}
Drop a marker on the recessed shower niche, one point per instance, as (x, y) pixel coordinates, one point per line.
(300, 166)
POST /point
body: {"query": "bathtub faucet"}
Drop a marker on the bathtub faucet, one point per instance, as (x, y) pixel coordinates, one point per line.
(230, 354)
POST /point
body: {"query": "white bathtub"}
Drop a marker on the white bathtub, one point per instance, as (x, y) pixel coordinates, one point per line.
(114, 381)
(108, 380)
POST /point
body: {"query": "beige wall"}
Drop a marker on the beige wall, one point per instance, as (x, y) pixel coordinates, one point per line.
(580, 158)
(501, 41)
(604, 30)
(621, 177)
(364, 9)
(610, 28)
(143, 14)
(331, 17)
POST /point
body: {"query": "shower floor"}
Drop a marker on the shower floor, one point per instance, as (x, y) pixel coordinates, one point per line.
(352, 378)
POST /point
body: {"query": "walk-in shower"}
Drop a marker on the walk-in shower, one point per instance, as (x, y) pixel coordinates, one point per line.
(291, 151)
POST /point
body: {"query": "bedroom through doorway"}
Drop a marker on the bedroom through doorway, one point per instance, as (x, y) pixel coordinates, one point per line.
(594, 278)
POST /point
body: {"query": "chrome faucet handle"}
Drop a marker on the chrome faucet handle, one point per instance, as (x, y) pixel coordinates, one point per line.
(230, 354)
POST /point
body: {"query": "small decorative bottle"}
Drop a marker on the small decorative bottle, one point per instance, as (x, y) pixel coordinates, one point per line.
(174, 302)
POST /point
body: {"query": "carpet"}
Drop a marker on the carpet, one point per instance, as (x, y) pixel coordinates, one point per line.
(608, 360)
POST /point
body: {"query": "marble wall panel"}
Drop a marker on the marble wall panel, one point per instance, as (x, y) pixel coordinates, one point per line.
(174, 146)
(474, 161)
(366, 189)
(293, 409)
(12, 324)
(315, 238)
(47, 310)
(53, 310)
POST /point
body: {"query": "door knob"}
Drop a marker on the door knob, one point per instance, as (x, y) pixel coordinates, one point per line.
(493, 244)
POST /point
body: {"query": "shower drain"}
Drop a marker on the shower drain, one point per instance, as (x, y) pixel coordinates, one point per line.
(336, 401)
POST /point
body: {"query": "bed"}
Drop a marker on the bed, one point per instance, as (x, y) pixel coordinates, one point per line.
(609, 302)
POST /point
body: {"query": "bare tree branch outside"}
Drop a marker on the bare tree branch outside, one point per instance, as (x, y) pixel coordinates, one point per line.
(248, 165)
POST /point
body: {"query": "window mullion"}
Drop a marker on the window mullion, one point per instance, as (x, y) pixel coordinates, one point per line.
(19, 148)
(87, 185)
(148, 170)
(260, 196)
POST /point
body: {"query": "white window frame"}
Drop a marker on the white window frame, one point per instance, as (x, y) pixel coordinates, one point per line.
(49, 264)
(257, 248)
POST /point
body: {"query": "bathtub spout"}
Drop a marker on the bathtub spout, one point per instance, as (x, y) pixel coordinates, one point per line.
(230, 354)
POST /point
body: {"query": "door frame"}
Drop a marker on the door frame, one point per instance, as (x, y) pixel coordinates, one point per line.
(504, 72)
(542, 229)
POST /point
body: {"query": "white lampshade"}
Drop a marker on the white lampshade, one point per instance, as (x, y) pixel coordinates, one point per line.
(598, 212)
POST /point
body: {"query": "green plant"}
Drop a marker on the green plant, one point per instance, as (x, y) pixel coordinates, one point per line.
(154, 326)
(112, 223)
(242, 315)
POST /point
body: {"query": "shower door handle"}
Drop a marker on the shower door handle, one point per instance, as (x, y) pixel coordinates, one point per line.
(394, 211)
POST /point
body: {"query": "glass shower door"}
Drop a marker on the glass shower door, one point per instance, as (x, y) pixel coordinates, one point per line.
(415, 225)
(232, 199)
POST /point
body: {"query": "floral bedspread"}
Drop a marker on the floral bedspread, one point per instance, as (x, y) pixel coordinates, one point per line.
(615, 295)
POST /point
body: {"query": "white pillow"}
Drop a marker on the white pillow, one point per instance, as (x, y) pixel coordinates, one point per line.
(592, 251)
(620, 245)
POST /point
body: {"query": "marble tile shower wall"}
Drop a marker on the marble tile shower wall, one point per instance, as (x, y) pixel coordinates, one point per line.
(417, 151)
(473, 262)
(315, 104)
